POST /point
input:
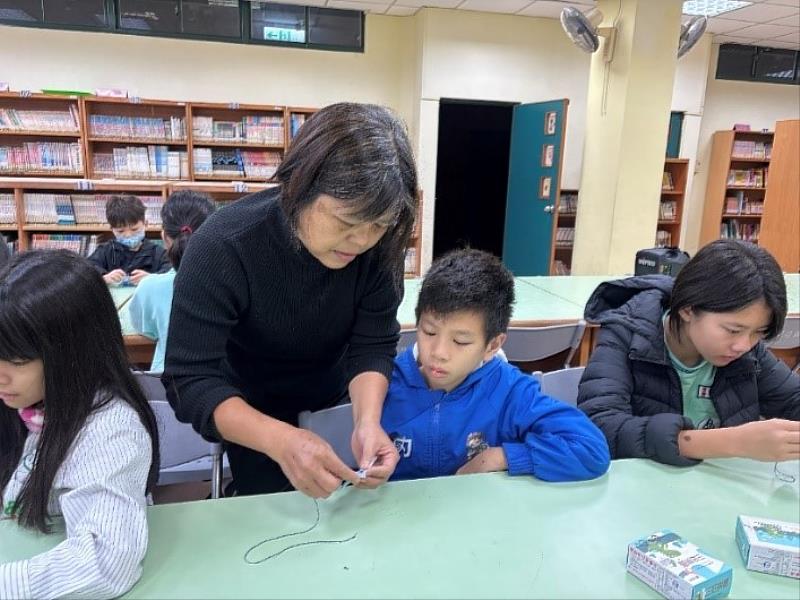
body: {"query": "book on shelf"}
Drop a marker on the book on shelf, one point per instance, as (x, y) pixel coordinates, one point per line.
(668, 211)
(8, 209)
(748, 177)
(57, 121)
(565, 237)
(740, 231)
(233, 162)
(560, 268)
(751, 149)
(410, 261)
(667, 183)
(663, 239)
(80, 209)
(58, 157)
(141, 162)
(151, 128)
(739, 204)
(568, 202)
(250, 129)
(296, 121)
(11, 243)
(75, 242)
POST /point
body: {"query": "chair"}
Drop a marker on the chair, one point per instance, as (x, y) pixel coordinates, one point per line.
(534, 344)
(335, 426)
(789, 337)
(185, 455)
(407, 338)
(562, 384)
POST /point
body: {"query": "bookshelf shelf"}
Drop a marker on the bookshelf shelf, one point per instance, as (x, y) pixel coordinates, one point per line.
(34, 173)
(49, 227)
(672, 192)
(199, 142)
(742, 156)
(39, 133)
(668, 222)
(208, 177)
(8, 228)
(136, 140)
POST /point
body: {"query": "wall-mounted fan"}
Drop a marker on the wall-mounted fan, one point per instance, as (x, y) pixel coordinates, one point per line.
(691, 31)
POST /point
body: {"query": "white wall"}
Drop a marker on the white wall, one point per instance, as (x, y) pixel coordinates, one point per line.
(152, 67)
(726, 103)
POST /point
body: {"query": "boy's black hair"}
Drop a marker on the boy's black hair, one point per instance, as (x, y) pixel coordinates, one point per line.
(726, 276)
(55, 306)
(124, 210)
(182, 215)
(469, 280)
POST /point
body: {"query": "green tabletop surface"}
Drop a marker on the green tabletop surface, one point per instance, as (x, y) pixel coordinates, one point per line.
(476, 536)
(121, 295)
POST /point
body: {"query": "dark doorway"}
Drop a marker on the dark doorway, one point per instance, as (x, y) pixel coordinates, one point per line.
(471, 175)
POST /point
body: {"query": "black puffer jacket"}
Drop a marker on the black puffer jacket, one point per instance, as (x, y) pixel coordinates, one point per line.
(632, 392)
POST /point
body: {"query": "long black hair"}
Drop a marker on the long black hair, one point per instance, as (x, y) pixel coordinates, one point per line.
(182, 215)
(359, 154)
(726, 276)
(55, 307)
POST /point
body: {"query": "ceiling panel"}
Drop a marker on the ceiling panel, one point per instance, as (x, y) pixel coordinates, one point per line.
(501, 6)
(550, 9)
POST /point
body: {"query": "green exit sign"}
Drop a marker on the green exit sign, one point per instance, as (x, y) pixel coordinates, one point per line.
(282, 34)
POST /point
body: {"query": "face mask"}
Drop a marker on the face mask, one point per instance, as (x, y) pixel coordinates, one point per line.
(131, 241)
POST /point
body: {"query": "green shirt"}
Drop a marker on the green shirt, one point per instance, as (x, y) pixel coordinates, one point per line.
(696, 390)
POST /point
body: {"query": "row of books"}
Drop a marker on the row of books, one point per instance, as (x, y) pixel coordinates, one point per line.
(410, 265)
(42, 156)
(142, 162)
(77, 243)
(257, 129)
(560, 268)
(738, 204)
(667, 182)
(568, 202)
(257, 164)
(8, 209)
(11, 244)
(740, 231)
(80, 209)
(748, 177)
(296, 121)
(663, 239)
(751, 149)
(40, 120)
(565, 237)
(668, 211)
(151, 128)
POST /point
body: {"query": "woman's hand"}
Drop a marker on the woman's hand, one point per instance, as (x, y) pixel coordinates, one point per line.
(369, 443)
(310, 463)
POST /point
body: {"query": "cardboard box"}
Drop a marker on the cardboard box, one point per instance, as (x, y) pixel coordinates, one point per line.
(769, 546)
(678, 569)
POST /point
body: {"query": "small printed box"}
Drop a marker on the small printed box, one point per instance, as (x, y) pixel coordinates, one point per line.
(769, 546)
(678, 569)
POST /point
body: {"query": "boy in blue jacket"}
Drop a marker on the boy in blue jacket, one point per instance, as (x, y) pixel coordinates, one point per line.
(454, 407)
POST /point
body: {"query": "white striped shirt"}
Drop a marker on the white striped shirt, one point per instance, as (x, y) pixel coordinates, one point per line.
(100, 492)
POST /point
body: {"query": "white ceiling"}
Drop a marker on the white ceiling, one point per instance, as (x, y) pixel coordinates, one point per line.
(773, 23)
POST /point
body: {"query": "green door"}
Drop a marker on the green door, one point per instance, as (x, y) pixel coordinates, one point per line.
(534, 176)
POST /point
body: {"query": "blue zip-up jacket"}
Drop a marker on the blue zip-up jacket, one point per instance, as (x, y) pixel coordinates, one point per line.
(496, 405)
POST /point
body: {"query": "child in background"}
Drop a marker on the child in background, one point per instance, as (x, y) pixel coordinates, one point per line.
(150, 307)
(681, 372)
(130, 257)
(454, 407)
(77, 437)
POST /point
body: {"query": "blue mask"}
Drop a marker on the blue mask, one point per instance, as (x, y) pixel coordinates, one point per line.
(131, 241)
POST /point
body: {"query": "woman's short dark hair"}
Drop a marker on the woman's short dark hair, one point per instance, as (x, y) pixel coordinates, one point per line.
(469, 280)
(124, 210)
(54, 306)
(182, 215)
(727, 276)
(359, 154)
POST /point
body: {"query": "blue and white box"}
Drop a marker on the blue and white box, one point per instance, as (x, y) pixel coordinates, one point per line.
(678, 569)
(769, 546)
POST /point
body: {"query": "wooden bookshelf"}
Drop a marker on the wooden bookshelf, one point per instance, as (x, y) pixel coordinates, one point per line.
(295, 117)
(780, 224)
(673, 195)
(413, 265)
(566, 213)
(731, 205)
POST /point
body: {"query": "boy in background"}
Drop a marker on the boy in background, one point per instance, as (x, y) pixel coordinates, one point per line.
(129, 256)
(454, 407)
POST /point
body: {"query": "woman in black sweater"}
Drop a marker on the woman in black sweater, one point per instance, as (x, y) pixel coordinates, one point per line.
(286, 301)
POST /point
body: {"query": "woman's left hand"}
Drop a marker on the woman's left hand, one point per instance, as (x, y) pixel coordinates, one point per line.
(371, 442)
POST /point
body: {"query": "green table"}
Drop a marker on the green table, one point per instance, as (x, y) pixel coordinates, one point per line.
(121, 295)
(479, 536)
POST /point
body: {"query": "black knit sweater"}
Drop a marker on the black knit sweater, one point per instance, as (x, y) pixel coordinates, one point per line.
(256, 315)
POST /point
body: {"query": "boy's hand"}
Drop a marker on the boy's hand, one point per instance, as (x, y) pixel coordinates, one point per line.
(770, 440)
(488, 461)
(114, 277)
(137, 275)
(370, 442)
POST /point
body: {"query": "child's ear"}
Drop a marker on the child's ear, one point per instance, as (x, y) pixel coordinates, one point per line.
(493, 346)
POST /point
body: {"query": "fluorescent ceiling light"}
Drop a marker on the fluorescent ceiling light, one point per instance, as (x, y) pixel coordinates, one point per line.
(712, 8)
